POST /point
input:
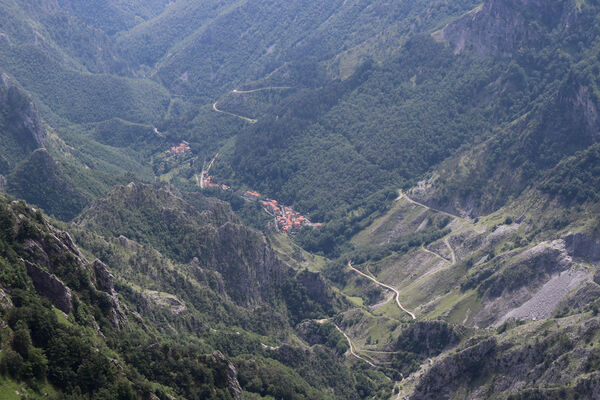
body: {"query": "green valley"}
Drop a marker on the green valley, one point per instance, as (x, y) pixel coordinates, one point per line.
(358, 199)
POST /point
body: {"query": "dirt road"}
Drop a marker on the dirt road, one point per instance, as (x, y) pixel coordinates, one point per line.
(385, 286)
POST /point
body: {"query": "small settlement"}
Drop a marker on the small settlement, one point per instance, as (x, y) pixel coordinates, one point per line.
(287, 219)
(181, 149)
(206, 181)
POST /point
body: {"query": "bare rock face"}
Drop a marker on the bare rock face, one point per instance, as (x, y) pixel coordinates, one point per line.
(36, 253)
(66, 239)
(428, 338)
(105, 283)
(315, 285)
(2, 184)
(247, 263)
(531, 284)
(128, 244)
(5, 301)
(440, 380)
(591, 385)
(583, 246)
(49, 286)
(166, 300)
(229, 374)
(104, 279)
(500, 27)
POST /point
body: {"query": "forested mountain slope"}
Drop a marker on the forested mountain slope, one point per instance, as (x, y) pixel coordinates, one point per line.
(231, 43)
(159, 325)
(449, 149)
(562, 121)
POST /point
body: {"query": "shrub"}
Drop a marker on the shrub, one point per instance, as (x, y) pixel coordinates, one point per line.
(12, 364)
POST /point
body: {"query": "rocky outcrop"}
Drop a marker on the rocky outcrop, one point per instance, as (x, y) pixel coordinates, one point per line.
(500, 27)
(445, 376)
(49, 286)
(532, 265)
(315, 285)
(228, 374)
(2, 183)
(521, 363)
(588, 293)
(104, 282)
(205, 235)
(583, 246)
(36, 253)
(247, 263)
(27, 124)
(427, 338)
(529, 285)
(590, 385)
(128, 244)
(212, 279)
(198, 230)
(166, 300)
(56, 265)
(5, 301)
(104, 279)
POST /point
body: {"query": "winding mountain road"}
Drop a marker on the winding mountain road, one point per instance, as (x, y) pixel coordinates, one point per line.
(352, 348)
(425, 249)
(452, 253)
(384, 286)
(250, 120)
(452, 260)
(236, 91)
(261, 89)
(404, 195)
(322, 321)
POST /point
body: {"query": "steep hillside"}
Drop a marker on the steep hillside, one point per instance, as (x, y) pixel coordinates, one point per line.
(450, 150)
(20, 123)
(69, 327)
(201, 230)
(71, 67)
(41, 181)
(498, 272)
(235, 42)
(34, 164)
(562, 121)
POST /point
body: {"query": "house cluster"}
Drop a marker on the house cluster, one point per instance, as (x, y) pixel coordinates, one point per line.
(208, 182)
(181, 149)
(250, 195)
(287, 219)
